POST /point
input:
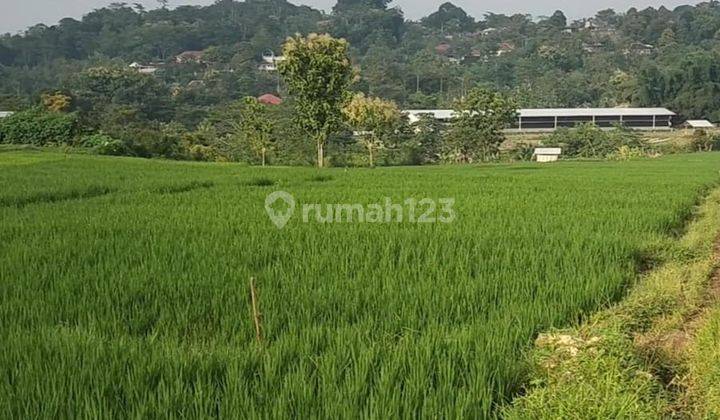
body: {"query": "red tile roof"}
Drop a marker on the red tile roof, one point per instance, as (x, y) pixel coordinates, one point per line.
(269, 99)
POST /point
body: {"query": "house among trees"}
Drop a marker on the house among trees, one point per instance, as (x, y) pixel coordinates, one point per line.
(143, 69)
(188, 57)
(639, 48)
(475, 55)
(505, 48)
(270, 61)
(592, 47)
(270, 99)
(443, 48)
(488, 31)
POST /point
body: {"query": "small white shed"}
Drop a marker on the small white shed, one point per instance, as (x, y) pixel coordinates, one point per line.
(547, 154)
(699, 124)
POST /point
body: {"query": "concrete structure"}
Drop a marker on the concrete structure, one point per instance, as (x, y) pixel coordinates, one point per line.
(550, 119)
(547, 154)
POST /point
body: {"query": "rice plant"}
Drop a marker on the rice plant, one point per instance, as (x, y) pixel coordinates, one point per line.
(126, 294)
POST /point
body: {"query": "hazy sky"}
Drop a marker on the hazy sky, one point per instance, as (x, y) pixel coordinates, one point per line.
(16, 15)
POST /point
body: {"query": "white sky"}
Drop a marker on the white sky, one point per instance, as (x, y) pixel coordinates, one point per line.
(16, 15)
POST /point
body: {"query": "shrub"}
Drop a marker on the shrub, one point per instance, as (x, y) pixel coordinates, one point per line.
(150, 140)
(202, 153)
(702, 141)
(103, 144)
(627, 153)
(39, 127)
(589, 141)
(522, 152)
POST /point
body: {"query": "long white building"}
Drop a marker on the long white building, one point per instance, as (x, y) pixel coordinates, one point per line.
(550, 119)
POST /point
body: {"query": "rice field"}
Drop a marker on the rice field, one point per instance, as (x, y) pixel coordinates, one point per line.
(124, 284)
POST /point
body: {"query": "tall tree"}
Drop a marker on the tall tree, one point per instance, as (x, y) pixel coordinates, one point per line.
(372, 118)
(450, 18)
(255, 128)
(428, 136)
(317, 73)
(480, 118)
(343, 5)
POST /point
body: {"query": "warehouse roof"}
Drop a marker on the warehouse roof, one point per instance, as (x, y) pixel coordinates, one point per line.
(440, 114)
(446, 114)
(597, 112)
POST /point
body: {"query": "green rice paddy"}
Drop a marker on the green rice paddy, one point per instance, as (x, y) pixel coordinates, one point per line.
(124, 284)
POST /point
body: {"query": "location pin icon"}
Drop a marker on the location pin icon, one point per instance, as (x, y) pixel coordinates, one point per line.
(280, 218)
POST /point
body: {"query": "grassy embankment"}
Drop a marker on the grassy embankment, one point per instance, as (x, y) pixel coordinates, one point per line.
(656, 354)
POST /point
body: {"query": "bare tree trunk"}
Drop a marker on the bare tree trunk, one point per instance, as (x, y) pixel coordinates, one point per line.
(320, 153)
(370, 150)
(263, 156)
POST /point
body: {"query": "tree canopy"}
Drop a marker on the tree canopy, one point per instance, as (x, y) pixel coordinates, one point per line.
(317, 72)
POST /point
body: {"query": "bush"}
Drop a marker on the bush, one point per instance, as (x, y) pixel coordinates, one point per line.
(702, 141)
(202, 153)
(150, 140)
(589, 141)
(103, 144)
(522, 152)
(627, 153)
(39, 127)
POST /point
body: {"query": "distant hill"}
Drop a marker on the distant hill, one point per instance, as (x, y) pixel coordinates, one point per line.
(210, 56)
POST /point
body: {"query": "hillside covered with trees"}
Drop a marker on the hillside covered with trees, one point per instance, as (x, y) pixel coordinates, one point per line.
(139, 74)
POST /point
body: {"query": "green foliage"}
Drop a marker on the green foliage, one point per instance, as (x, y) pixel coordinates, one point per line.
(103, 144)
(253, 129)
(428, 141)
(158, 140)
(373, 120)
(477, 131)
(590, 141)
(426, 64)
(678, 70)
(450, 18)
(98, 295)
(702, 141)
(39, 127)
(523, 152)
(318, 72)
(110, 95)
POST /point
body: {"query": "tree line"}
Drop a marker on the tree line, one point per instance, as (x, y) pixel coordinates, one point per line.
(204, 108)
(323, 109)
(650, 57)
(318, 73)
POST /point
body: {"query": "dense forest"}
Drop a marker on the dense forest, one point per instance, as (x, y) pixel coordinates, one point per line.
(125, 66)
